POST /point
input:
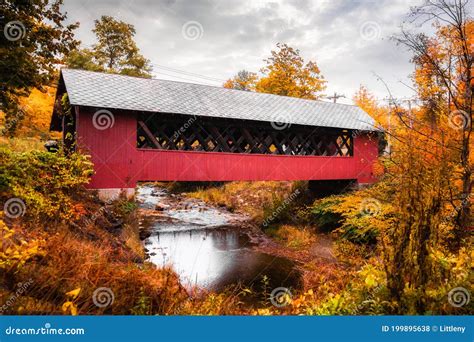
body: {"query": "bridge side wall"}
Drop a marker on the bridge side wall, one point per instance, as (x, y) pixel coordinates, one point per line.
(119, 164)
(366, 147)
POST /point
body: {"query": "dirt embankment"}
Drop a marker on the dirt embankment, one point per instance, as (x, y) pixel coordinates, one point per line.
(314, 252)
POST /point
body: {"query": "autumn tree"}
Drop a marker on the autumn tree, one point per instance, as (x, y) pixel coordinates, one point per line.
(287, 74)
(444, 77)
(83, 59)
(33, 41)
(244, 80)
(37, 110)
(115, 51)
(364, 99)
(430, 167)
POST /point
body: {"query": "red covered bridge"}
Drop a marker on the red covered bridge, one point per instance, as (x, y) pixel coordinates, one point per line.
(138, 129)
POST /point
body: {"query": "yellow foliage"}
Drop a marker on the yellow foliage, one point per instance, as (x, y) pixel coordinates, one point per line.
(360, 215)
(287, 74)
(38, 108)
(244, 80)
(368, 102)
(294, 237)
(263, 312)
(74, 293)
(15, 252)
(248, 197)
(69, 308)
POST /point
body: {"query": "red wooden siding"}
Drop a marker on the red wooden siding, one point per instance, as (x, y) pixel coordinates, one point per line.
(120, 164)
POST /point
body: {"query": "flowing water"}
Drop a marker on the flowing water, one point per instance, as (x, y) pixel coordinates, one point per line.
(206, 246)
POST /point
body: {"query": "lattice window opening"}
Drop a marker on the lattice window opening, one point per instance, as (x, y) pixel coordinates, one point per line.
(210, 137)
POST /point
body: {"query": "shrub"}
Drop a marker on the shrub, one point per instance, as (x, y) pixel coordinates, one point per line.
(323, 214)
(293, 237)
(68, 244)
(14, 251)
(358, 216)
(45, 182)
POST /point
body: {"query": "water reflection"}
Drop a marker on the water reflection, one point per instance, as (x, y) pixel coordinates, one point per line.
(195, 244)
(215, 258)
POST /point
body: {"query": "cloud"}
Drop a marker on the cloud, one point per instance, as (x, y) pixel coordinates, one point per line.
(240, 34)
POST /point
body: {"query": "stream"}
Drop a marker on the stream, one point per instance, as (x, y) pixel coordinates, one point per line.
(208, 247)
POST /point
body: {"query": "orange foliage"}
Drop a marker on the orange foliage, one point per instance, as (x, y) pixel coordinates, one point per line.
(287, 74)
(244, 80)
(38, 108)
(77, 211)
(367, 102)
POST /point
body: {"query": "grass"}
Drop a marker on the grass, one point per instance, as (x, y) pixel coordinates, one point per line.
(251, 198)
(22, 144)
(66, 252)
(294, 237)
(126, 211)
(86, 244)
(323, 279)
(87, 255)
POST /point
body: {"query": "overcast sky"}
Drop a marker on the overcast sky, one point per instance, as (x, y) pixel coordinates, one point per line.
(349, 39)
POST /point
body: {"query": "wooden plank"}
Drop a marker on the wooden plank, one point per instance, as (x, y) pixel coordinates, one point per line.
(150, 136)
(221, 142)
(131, 164)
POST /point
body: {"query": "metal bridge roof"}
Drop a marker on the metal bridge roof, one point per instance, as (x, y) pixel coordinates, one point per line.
(93, 89)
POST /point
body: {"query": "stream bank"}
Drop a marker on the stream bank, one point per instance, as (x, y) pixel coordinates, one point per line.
(209, 247)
